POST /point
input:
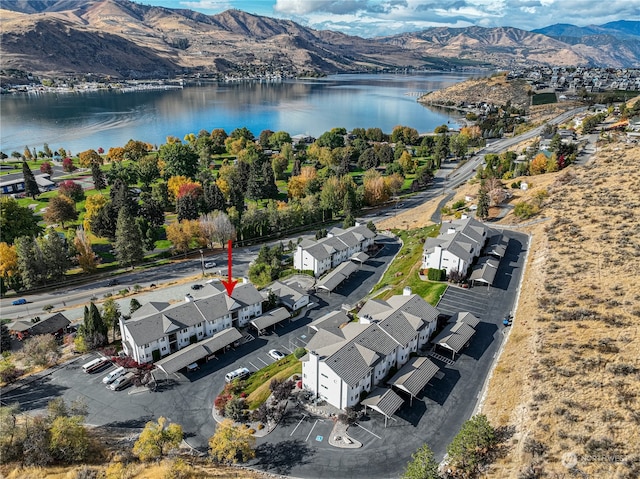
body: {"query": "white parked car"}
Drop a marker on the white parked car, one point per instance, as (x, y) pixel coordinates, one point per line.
(275, 354)
(113, 375)
(210, 264)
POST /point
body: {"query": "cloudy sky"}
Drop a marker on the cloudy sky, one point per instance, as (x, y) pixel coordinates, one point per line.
(369, 18)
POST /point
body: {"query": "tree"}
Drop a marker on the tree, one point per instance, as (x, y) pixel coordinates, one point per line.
(269, 181)
(93, 329)
(87, 259)
(30, 261)
(61, 208)
(128, 245)
(5, 339)
(89, 157)
(179, 160)
(156, 439)
(46, 168)
(41, 350)
(31, 187)
(148, 170)
(538, 165)
(92, 206)
(213, 198)
(216, 227)
(99, 182)
(16, 221)
(470, 447)
(69, 439)
(135, 150)
(68, 166)
(483, 203)
(134, 305)
(187, 206)
(55, 255)
(36, 445)
(185, 234)
(111, 314)
(230, 443)
(9, 269)
(72, 190)
(422, 465)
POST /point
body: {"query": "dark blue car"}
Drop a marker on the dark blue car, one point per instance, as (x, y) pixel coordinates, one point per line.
(20, 301)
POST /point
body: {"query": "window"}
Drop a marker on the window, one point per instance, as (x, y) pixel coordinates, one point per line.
(145, 346)
(199, 333)
(323, 386)
(324, 375)
(164, 348)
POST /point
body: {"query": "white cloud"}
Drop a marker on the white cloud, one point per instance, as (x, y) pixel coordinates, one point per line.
(203, 5)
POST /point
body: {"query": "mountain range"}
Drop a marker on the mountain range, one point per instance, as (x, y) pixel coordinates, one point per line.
(123, 39)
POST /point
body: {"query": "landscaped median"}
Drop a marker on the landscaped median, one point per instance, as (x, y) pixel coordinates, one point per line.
(260, 400)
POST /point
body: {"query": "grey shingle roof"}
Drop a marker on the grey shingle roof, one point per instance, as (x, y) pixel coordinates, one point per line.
(384, 400)
(464, 317)
(289, 294)
(149, 308)
(48, 324)
(414, 375)
(485, 271)
(337, 276)
(330, 321)
(347, 362)
(455, 336)
(269, 319)
(192, 353)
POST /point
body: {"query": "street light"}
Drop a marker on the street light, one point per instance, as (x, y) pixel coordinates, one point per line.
(202, 261)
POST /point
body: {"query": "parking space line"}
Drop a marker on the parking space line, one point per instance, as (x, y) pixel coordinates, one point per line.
(264, 362)
(314, 425)
(253, 365)
(304, 416)
(370, 432)
(286, 348)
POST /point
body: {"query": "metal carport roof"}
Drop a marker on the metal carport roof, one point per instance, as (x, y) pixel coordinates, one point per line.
(269, 319)
(455, 336)
(385, 401)
(414, 375)
(337, 276)
(180, 359)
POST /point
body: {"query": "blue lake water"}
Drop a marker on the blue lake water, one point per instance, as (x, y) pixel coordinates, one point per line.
(79, 121)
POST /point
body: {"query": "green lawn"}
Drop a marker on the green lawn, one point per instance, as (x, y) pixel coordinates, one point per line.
(404, 270)
(256, 387)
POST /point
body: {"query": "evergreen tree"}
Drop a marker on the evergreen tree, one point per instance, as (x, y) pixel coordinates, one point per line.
(93, 328)
(5, 338)
(31, 263)
(483, 203)
(187, 207)
(111, 314)
(99, 182)
(31, 187)
(269, 180)
(128, 243)
(16, 221)
(297, 167)
(255, 185)
(213, 197)
(55, 255)
(422, 465)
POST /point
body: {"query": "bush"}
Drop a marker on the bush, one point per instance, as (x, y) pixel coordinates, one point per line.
(434, 274)
(260, 427)
(220, 403)
(524, 210)
(299, 352)
(251, 431)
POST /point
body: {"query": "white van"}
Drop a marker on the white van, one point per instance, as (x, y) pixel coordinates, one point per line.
(240, 373)
(95, 365)
(113, 375)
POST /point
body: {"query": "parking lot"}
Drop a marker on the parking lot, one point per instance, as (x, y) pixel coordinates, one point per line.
(299, 445)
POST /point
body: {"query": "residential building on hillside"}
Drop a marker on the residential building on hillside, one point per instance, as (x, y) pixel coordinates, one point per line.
(158, 329)
(457, 245)
(348, 359)
(327, 253)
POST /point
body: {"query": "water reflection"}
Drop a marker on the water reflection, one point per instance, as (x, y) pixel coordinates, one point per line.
(78, 121)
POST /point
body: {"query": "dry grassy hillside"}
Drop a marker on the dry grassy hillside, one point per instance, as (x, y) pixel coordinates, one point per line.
(569, 377)
(568, 380)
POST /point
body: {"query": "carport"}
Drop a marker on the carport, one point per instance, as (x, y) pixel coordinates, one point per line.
(485, 271)
(192, 353)
(360, 257)
(385, 401)
(269, 319)
(455, 337)
(332, 280)
(496, 245)
(414, 376)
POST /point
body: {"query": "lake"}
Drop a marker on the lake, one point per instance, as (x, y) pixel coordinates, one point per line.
(79, 121)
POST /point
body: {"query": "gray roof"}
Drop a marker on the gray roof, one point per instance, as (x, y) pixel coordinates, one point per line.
(269, 319)
(454, 336)
(349, 364)
(147, 328)
(412, 305)
(361, 256)
(341, 240)
(485, 270)
(48, 324)
(460, 237)
(337, 276)
(180, 359)
(414, 375)
(289, 294)
(464, 317)
(330, 321)
(149, 308)
(497, 245)
(384, 400)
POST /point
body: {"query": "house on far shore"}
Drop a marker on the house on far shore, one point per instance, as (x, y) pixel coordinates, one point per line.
(348, 359)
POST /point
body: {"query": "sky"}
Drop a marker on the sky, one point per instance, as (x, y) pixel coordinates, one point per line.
(371, 18)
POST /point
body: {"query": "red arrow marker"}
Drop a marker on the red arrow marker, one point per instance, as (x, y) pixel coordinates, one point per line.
(230, 283)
